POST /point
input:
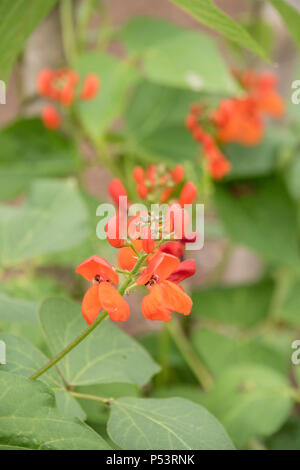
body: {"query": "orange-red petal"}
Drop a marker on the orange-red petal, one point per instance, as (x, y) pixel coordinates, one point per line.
(115, 233)
(91, 304)
(165, 298)
(186, 269)
(51, 117)
(96, 266)
(126, 256)
(91, 86)
(162, 265)
(139, 174)
(112, 302)
(152, 309)
(117, 190)
(178, 174)
(188, 194)
(174, 298)
(173, 248)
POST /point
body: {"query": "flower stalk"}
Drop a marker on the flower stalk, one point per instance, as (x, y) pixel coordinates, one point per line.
(90, 328)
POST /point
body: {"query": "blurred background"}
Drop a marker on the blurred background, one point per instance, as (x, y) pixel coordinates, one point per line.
(44, 49)
(246, 288)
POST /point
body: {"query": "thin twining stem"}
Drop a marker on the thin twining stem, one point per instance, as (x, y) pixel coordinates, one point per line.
(85, 396)
(194, 362)
(90, 328)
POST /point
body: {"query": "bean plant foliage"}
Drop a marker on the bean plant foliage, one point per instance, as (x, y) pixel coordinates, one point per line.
(171, 122)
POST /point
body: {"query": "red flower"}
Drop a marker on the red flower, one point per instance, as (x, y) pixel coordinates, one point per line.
(177, 220)
(91, 86)
(142, 190)
(127, 258)
(188, 194)
(148, 242)
(191, 122)
(217, 164)
(185, 269)
(117, 190)
(178, 174)
(113, 235)
(166, 194)
(51, 117)
(44, 82)
(173, 248)
(58, 85)
(165, 296)
(102, 294)
(219, 168)
(239, 120)
(139, 174)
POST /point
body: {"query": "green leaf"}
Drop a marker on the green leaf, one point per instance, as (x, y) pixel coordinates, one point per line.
(189, 392)
(22, 358)
(52, 219)
(34, 287)
(29, 151)
(142, 33)
(17, 26)
(181, 58)
(189, 61)
(251, 401)
(243, 305)
(97, 412)
(106, 355)
(174, 423)
(263, 33)
(20, 318)
(68, 405)
(116, 77)
(15, 310)
(288, 438)
(292, 176)
(155, 122)
(290, 307)
(29, 419)
(28, 331)
(225, 348)
(72, 257)
(290, 16)
(208, 14)
(261, 215)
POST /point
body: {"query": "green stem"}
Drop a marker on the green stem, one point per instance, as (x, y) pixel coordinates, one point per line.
(282, 282)
(128, 281)
(295, 394)
(90, 328)
(68, 30)
(255, 444)
(85, 13)
(85, 396)
(131, 245)
(123, 271)
(201, 373)
(219, 271)
(69, 348)
(163, 354)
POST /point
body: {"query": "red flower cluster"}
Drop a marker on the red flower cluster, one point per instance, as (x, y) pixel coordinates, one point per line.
(144, 240)
(161, 277)
(239, 120)
(158, 182)
(61, 86)
(217, 164)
